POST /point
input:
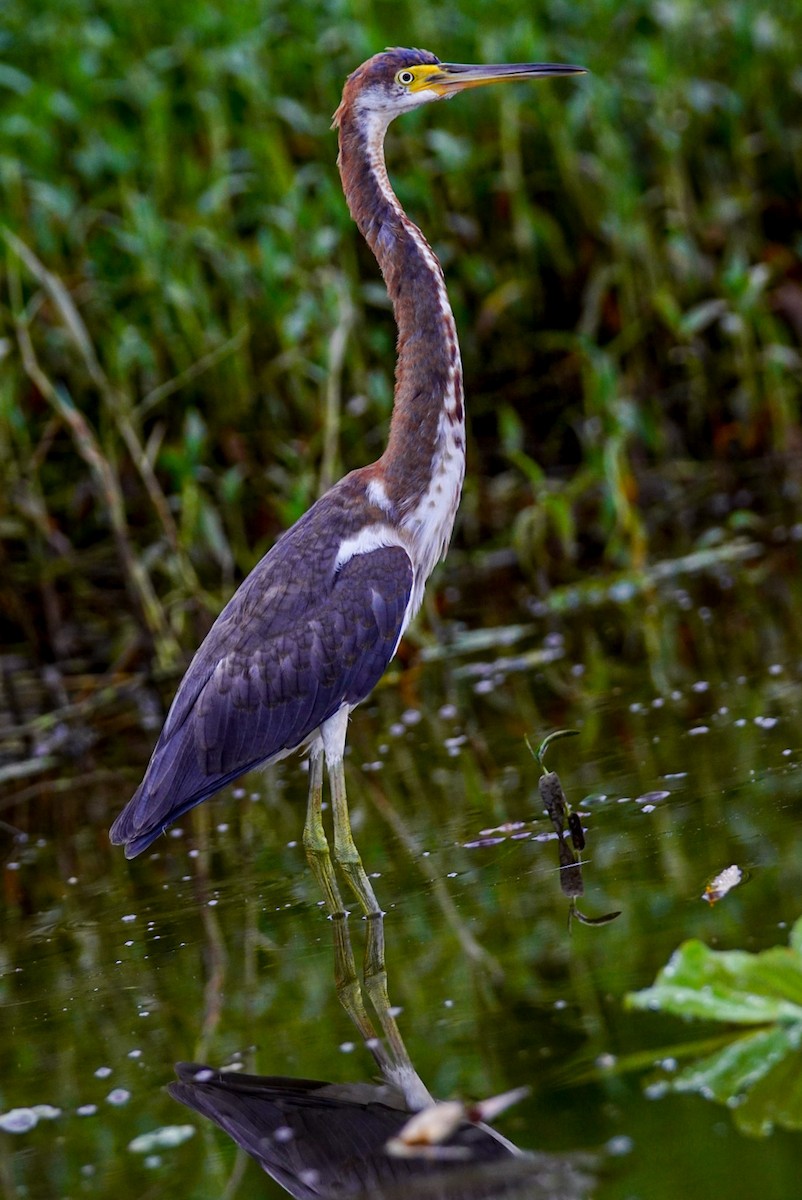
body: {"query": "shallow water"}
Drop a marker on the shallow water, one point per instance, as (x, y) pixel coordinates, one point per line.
(686, 691)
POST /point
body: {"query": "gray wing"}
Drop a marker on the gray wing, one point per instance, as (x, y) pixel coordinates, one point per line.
(296, 642)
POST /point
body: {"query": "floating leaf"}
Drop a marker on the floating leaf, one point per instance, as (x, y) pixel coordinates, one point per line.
(721, 884)
(758, 1074)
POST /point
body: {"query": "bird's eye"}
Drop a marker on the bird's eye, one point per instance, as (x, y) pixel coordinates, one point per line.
(405, 77)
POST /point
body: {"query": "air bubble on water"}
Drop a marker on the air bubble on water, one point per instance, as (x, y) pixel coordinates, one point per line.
(86, 1110)
(766, 722)
(483, 687)
(412, 716)
(222, 827)
(620, 1145)
(648, 808)
(164, 1138)
(347, 1047)
(654, 1091)
(129, 917)
(118, 1096)
(448, 712)
(606, 1061)
(103, 1072)
(458, 740)
(397, 729)
(652, 797)
(622, 591)
(697, 730)
(18, 1120)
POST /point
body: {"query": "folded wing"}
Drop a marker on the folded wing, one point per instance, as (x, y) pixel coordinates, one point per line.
(287, 652)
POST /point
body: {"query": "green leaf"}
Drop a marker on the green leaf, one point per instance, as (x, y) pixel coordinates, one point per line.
(758, 1074)
(729, 985)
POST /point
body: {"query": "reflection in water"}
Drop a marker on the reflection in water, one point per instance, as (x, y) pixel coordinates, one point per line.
(561, 815)
(321, 1139)
(329, 1140)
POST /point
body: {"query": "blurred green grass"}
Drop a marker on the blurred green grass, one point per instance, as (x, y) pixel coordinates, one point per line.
(193, 338)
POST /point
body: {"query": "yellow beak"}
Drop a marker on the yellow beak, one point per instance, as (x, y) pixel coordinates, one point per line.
(448, 78)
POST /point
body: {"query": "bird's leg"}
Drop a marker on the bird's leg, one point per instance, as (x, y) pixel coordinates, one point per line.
(399, 1068)
(349, 991)
(315, 844)
(345, 851)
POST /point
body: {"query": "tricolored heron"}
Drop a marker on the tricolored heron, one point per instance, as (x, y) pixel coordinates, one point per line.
(313, 627)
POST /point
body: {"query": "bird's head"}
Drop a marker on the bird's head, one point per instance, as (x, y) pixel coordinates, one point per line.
(397, 80)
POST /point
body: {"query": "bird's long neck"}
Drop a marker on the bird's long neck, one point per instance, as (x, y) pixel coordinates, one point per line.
(420, 473)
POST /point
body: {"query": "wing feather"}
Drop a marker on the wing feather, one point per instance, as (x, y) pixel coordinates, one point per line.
(300, 639)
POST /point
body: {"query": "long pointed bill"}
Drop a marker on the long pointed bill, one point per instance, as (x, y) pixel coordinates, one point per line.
(448, 78)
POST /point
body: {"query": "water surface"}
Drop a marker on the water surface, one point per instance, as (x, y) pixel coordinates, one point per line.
(685, 688)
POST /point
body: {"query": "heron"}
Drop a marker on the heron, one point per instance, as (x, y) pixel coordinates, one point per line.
(311, 630)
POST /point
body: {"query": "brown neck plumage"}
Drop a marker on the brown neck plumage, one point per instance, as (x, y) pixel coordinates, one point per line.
(428, 378)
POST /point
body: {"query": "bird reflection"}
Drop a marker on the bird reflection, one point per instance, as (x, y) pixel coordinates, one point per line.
(328, 1140)
(332, 1140)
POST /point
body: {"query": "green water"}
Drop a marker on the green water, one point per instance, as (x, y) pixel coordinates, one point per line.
(686, 691)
